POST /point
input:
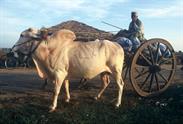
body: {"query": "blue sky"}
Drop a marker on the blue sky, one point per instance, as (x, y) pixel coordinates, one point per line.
(161, 18)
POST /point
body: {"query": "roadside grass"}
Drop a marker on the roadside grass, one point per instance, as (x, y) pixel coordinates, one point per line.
(164, 109)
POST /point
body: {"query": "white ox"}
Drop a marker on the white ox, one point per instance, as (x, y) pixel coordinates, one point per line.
(59, 58)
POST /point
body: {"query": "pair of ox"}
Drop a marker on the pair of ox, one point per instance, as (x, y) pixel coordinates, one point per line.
(59, 58)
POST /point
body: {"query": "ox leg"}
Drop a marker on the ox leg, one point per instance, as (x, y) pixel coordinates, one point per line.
(66, 84)
(120, 84)
(82, 83)
(57, 87)
(105, 82)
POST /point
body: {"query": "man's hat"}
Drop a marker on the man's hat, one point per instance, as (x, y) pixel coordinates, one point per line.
(134, 13)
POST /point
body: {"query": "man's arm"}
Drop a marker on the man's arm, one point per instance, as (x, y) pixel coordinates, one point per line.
(138, 27)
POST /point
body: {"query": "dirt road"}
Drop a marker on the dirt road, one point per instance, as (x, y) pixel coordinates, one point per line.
(23, 101)
(22, 82)
(27, 81)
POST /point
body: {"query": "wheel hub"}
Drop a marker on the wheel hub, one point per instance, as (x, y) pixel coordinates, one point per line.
(154, 68)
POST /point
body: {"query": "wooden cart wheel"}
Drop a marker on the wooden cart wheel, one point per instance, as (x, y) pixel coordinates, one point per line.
(10, 62)
(152, 67)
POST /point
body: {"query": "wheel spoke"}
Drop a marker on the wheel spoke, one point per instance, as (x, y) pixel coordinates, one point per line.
(157, 51)
(144, 82)
(141, 74)
(163, 55)
(166, 81)
(165, 60)
(151, 54)
(146, 59)
(141, 67)
(137, 70)
(157, 83)
(167, 69)
(151, 81)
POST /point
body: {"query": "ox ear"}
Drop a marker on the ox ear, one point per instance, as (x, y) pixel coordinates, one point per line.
(67, 34)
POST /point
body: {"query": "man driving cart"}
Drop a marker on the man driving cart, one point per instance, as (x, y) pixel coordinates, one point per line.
(130, 39)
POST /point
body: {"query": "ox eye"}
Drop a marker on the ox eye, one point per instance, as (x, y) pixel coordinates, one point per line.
(21, 35)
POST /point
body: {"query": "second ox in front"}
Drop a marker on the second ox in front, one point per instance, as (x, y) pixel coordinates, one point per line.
(59, 58)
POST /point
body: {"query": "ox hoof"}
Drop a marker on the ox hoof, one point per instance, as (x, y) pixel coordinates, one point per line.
(51, 109)
(96, 98)
(117, 105)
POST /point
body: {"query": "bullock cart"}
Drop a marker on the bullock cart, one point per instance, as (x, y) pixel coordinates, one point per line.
(151, 67)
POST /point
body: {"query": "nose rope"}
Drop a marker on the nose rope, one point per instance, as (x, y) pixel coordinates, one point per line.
(31, 50)
(21, 43)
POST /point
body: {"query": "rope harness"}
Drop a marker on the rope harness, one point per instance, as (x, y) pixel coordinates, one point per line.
(31, 49)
